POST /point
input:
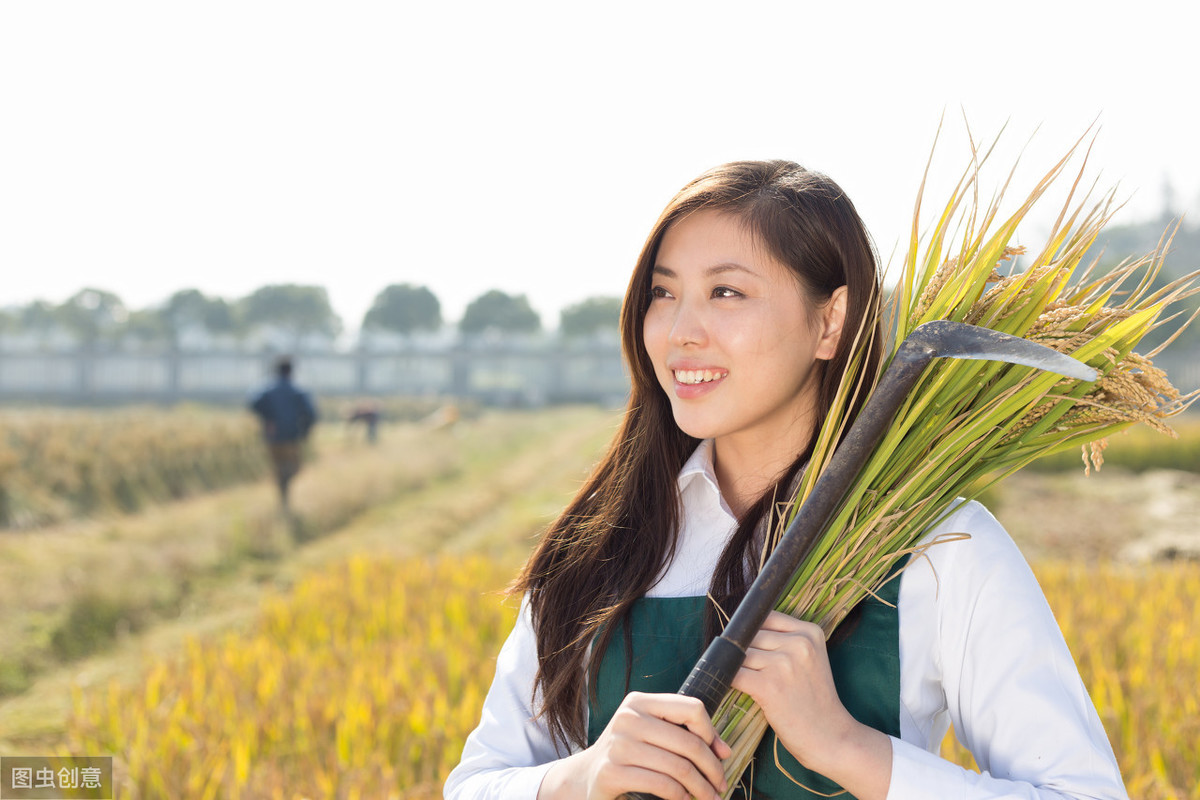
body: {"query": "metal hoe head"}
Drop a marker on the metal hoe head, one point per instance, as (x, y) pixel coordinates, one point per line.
(947, 339)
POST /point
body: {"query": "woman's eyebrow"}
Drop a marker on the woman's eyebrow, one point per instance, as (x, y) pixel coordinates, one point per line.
(729, 266)
(716, 269)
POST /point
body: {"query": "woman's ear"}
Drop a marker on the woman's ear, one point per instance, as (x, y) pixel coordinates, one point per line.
(833, 317)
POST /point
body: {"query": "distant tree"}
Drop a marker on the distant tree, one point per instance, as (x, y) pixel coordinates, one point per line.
(92, 314)
(300, 310)
(404, 308)
(590, 315)
(500, 311)
(147, 325)
(191, 308)
(38, 316)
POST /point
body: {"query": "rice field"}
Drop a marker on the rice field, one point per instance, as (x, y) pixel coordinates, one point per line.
(366, 679)
(365, 676)
(62, 464)
(361, 683)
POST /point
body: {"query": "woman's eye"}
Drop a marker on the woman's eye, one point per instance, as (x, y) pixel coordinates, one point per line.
(725, 291)
(658, 291)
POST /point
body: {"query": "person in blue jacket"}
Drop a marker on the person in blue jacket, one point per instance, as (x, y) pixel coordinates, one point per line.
(287, 414)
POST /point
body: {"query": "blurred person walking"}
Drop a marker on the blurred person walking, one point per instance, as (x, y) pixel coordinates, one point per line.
(287, 414)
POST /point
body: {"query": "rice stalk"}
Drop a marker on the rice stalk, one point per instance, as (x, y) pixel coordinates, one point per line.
(969, 424)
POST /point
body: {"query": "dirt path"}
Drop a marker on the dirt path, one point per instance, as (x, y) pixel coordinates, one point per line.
(1112, 515)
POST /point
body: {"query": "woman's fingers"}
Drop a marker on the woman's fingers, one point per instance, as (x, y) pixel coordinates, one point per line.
(664, 775)
(783, 634)
(787, 673)
(687, 751)
(779, 622)
(685, 711)
(628, 780)
(680, 725)
(671, 737)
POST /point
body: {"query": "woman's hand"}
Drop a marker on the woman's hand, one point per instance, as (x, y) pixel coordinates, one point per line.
(660, 744)
(787, 673)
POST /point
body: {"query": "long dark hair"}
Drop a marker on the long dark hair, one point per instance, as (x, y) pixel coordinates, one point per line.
(611, 542)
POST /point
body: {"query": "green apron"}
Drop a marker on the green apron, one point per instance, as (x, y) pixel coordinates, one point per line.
(667, 637)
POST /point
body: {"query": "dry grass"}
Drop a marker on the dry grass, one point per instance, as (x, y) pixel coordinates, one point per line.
(136, 568)
(62, 464)
(496, 479)
(102, 579)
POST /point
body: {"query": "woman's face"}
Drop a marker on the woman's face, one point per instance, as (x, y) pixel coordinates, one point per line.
(733, 338)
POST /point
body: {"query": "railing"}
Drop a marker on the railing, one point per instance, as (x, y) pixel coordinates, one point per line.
(498, 373)
(494, 373)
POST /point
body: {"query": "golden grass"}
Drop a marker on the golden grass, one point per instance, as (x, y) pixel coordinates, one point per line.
(360, 683)
(365, 680)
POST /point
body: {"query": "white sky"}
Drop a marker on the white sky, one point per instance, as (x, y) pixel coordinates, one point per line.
(147, 147)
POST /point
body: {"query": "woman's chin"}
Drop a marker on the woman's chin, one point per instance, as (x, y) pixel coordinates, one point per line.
(696, 428)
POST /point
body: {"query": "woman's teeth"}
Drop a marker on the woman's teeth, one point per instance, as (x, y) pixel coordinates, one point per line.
(697, 375)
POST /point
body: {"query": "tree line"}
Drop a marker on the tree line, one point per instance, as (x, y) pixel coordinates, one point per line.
(92, 314)
(302, 311)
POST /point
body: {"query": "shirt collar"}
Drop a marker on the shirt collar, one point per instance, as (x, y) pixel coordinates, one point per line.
(699, 467)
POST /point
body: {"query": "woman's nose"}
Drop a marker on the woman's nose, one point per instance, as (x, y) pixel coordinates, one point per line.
(688, 326)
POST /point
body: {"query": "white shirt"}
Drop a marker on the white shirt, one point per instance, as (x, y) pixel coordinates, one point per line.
(979, 648)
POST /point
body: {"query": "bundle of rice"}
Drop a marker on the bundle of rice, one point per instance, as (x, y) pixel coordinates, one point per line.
(968, 424)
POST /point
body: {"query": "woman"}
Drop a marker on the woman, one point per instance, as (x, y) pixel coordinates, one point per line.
(737, 326)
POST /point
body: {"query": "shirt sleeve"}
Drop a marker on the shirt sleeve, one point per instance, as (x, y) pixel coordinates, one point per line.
(309, 415)
(257, 402)
(508, 754)
(980, 648)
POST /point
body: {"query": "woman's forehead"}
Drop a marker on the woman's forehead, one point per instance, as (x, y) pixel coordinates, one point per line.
(717, 243)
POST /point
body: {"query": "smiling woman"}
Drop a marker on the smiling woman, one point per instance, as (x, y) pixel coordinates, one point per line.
(756, 292)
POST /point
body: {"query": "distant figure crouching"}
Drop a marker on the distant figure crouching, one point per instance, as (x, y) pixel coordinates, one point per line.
(368, 414)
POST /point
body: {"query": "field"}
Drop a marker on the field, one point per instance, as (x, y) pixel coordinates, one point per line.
(63, 464)
(347, 655)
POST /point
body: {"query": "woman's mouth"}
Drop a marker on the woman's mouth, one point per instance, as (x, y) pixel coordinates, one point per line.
(691, 377)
